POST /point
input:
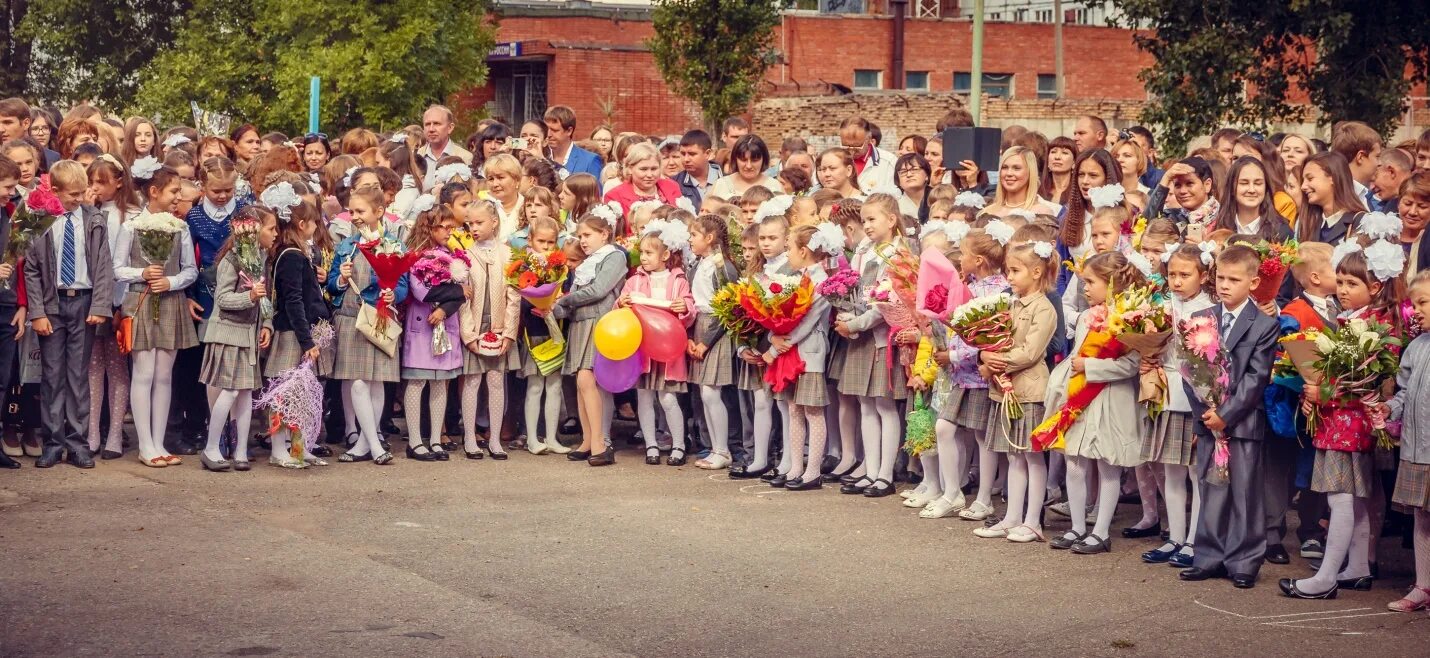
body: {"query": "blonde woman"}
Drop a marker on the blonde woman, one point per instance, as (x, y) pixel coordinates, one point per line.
(1018, 185)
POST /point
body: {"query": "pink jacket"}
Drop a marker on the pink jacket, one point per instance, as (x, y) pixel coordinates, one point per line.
(679, 288)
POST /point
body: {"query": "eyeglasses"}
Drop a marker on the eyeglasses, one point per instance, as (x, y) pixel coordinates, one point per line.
(910, 170)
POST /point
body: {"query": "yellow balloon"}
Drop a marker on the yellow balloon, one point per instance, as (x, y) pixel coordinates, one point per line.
(618, 334)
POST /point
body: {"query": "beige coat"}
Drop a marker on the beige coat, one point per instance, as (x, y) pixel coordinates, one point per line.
(1034, 319)
(488, 279)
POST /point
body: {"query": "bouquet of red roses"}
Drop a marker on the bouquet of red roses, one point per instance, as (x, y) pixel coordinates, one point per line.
(1276, 261)
(31, 220)
(389, 263)
(778, 304)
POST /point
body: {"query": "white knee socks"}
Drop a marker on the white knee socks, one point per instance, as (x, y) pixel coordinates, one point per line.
(716, 419)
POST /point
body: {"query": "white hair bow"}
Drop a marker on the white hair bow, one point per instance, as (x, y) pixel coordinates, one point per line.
(175, 140)
(348, 177)
(1380, 226)
(1345, 248)
(1385, 260)
(1106, 196)
(423, 203)
(956, 231)
(775, 207)
(1208, 252)
(828, 238)
(970, 199)
(999, 231)
(934, 226)
(145, 167)
(1043, 249)
(281, 198)
(674, 235)
(606, 212)
(1141, 263)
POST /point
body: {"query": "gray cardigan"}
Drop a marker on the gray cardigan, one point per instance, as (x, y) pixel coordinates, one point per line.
(42, 274)
(596, 298)
(235, 320)
(1409, 405)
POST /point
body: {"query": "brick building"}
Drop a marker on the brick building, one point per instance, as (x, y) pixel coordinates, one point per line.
(592, 56)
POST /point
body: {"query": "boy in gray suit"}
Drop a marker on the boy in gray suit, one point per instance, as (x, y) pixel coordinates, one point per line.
(69, 282)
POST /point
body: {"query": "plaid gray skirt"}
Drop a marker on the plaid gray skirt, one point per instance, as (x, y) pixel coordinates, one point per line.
(1169, 439)
(580, 346)
(361, 359)
(1005, 435)
(655, 381)
(718, 366)
(173, 331)
(867, 372)
(748, 377)
(810, 390)
(284, 353)
(1343, 472)
(967, 407)
(1412, 486)
(475, 364)
(230, 367)
(838, 349)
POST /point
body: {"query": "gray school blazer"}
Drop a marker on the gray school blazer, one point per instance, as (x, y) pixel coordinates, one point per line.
(42, 273)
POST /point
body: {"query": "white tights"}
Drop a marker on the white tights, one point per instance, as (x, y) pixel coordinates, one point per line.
(496, 409)
(235, 405)
(674, 418)
(988, 462)
(1181, 528)
(536, 386)
(716, 419)
(785, 442)
(849, 444)
(833, 436)
(806, 422)
(366, 401)
(764, 412)
(879, 424)
(1347, 535)
(436, 410)
(1109, 483)
(1027, 477)
(149, 395)
(955, 450)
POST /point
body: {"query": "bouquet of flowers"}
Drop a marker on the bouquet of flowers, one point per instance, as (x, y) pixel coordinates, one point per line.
(35, 216)
(157, 233)
(841, 289)
(1146, 326)
(389, 263)
(294, 399)
(1276, 261)
(726, 308)
(1204, 368)
(538, 278)
(1101, 342)
(1302, 352)
(443, 272)
(986, 324)
(778, 304)
(1356, 360)
(250, 257)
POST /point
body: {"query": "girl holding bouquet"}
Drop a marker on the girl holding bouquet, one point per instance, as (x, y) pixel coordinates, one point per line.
(1412, 485)
(1105, 434)
(871, 366)
(235, 334)
(298, 305)
(594, 287)
(489, 324)
(771, 234)
(431, 311)
(543, 391)
(809, 248)
(1369, 289)
(661, 278)
(365, 368)
(154, 261)
(964, 416)
(712, 365)
(1168, 440)
(1032, 272)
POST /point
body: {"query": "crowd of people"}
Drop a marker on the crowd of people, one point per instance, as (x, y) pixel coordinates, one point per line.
(282, 252)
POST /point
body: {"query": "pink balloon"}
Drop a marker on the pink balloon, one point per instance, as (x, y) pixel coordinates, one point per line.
(618, 376)
(662, 336)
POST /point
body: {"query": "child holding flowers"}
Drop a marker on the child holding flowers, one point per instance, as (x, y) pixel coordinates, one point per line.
(155, 262)
(428, 329)
(809, 247)
(236, 333)
(966, 412)
(365, 367)
(711, 351)
(542, 264)
(489, 323)
(1412, 485)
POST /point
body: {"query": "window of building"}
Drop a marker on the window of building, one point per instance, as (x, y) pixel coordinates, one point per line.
(916, 80)
(868, 79)
(1047, 86)
(994, 84)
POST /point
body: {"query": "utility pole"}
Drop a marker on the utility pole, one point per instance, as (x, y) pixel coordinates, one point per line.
(975, 89)
(1058, 47)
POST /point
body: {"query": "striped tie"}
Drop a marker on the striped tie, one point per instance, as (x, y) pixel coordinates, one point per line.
(67, 254)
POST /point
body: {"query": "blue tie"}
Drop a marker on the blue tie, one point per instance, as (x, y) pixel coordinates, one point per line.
(67, 254)
(1226, 320)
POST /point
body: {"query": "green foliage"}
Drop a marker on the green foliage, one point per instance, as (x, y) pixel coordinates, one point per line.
(1231, 62)
(381, 63)
(87, 50)
(715, 52)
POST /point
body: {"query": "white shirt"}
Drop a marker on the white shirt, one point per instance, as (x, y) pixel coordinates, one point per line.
(702, 286)
(878, 172)
(1235, 314)
(773, 266)
(111, 211)
(1249, 229)
(1320, 304)
(215, 211)
(506, 221)
(81, 264)
(432, 159)
(724, 188)
(126, 272)
(659, 283)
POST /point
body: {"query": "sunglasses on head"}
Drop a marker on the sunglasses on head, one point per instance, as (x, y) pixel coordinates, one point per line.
(313, 137)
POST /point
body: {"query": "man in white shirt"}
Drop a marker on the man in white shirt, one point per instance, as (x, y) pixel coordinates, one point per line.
(873, 166)
(437, 124)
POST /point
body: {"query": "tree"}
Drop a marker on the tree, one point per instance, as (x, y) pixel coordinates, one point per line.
(93, 50)
(381, 63)
(715, 52)
(15, 49)
(1219, 62)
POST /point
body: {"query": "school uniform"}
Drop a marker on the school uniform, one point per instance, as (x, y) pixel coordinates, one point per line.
(231, 358)
(1345, 460)
(362, 359)
(418, 361)
(1034, 321)
(871, 367)
(493, 308)
(968, 404)
(1231, 529)
(1108, 428)
(171, 328)
(811, 339)
(9, 305)
(718, 366)
(1412, 484)
(1287, 460)
(298, 306)
(1170, 438)
(68, 277)
(593, 293)
(670, 285)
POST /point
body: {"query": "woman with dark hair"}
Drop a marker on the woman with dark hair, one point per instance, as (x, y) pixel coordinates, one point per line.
(1331, 209)
(316, 151)
(1058, 170)
(1285, 198)
(751, 158)
(44, 124)
(487, 143)
(1095, 168)
(246, 144)
(911, 172)
(1247, 203)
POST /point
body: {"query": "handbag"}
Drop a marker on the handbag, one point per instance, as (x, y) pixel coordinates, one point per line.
(385, 340)
(549, 355)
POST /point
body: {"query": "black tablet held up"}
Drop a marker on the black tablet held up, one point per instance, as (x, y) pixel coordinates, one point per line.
(977, 144)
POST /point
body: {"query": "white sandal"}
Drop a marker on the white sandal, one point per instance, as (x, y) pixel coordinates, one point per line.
(1025, 534)
(991, 532)
(716, 461)
(941, 508)
(976, 512)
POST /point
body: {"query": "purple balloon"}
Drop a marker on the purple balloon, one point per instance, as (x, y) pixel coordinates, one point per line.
(618, 376)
